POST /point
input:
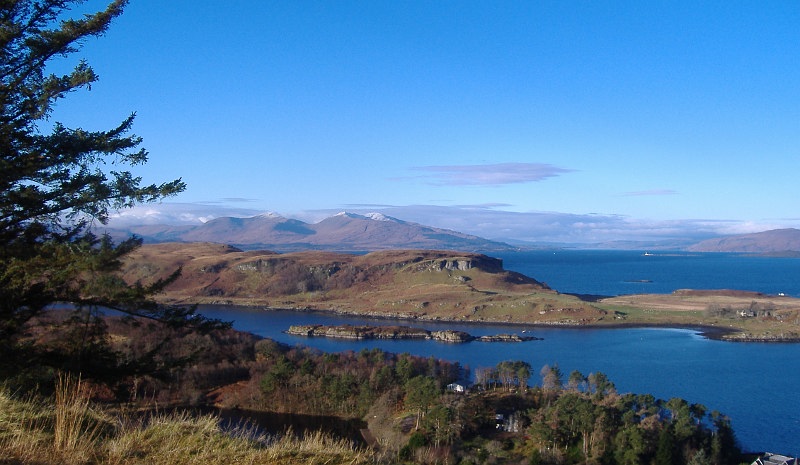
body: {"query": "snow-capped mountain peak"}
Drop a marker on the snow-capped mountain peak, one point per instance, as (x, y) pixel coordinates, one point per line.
(379, 217)
(368, 216)
(270, 214)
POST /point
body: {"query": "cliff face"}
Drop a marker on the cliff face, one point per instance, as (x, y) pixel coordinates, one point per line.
(481, 262)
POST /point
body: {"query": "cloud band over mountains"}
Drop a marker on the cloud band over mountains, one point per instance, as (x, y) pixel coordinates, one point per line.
(496, 174)
(492, 221)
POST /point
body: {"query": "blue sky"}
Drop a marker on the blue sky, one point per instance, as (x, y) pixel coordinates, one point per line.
(544, 121)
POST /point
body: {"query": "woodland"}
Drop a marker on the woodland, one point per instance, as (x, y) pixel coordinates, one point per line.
(403, 408)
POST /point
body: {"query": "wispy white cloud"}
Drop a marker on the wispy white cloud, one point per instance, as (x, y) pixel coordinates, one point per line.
(491, 174)
(651, 192)
(176, 213)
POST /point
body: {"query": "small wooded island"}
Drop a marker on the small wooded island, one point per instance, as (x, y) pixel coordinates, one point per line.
(399, 332)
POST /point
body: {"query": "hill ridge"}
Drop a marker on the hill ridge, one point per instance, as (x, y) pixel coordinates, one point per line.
(771, 241)
(344, 231)
(436, 284)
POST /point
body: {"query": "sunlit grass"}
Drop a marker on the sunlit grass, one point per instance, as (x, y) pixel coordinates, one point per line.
(69, 430)
(65, 430)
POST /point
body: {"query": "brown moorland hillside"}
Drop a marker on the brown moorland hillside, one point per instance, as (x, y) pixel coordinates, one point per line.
(398, 283)
(440, 285)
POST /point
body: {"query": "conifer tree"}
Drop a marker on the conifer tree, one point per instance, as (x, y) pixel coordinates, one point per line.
(56, 182)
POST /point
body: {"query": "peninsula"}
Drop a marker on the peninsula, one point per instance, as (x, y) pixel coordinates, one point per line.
(440, 286)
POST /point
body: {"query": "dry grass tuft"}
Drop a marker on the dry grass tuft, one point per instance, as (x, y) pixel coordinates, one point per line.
(183, 439)
(76, 426)
(70, 431)
(65, 431)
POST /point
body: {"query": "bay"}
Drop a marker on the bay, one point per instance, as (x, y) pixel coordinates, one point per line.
(755, 384)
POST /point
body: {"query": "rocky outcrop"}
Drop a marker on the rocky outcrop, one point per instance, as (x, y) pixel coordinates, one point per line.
(398, 332)
(451, 336)
(475, 261)
(359, 332)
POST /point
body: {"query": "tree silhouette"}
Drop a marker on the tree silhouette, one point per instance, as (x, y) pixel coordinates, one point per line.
(54, 186)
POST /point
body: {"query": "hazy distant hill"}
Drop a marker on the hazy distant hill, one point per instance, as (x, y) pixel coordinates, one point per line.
(773, 241)
(343, 232)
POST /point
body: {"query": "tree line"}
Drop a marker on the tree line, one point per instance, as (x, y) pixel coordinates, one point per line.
(559, 420)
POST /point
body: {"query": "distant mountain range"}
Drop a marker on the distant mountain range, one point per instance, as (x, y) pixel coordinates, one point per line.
(350, 232)
(782, 242)
(342, 232)
(776, 241)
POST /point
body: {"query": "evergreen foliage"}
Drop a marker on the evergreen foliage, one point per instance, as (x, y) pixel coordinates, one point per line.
(502, 418)
(56, 182)
(302, 380)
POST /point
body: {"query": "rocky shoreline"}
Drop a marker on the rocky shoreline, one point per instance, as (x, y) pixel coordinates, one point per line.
(709, 331)
(742, 337)
(399, 332)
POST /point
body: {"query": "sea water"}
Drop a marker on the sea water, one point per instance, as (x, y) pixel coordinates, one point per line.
(613, 272)
(755, 384)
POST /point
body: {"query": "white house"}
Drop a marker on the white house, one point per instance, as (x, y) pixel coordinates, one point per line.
(455, 387)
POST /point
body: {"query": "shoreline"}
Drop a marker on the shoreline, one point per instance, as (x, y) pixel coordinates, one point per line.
(711, 332)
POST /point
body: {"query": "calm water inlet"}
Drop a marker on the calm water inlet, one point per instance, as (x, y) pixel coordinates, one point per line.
(753, 383)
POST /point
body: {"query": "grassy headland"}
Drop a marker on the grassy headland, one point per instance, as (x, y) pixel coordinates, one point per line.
(444, 286)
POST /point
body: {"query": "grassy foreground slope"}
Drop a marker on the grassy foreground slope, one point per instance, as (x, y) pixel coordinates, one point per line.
(70, 430)
(410, 418)
(439, 285)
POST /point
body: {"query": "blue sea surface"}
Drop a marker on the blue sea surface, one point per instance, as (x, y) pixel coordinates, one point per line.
(755, 384)
(614, 272)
